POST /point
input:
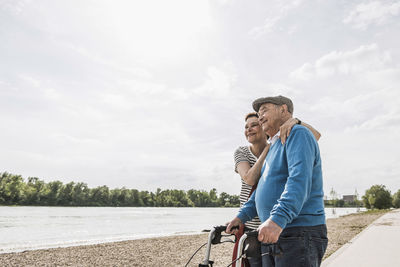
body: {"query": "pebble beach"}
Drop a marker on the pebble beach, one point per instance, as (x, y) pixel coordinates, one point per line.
(168, 251)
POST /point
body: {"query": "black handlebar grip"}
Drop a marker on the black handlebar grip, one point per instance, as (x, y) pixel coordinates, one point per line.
(252, 233)
(222, 228)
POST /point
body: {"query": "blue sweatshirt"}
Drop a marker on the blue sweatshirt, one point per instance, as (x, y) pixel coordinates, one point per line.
(290, 190)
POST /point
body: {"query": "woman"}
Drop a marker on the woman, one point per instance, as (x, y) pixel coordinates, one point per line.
(249, 161)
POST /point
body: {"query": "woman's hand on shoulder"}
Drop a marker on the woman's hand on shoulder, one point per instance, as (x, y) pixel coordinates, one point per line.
(286, 128)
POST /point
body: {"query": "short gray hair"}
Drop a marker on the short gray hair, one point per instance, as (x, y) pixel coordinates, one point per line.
(276, 100)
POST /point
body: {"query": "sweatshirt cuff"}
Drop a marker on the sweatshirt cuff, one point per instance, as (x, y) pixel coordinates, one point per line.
(243, 218)
(279, 220)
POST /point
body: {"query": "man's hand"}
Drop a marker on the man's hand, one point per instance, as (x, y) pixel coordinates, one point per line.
(234, 222)
(269, 232)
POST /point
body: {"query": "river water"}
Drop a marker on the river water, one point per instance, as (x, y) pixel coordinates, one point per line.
(26, 228)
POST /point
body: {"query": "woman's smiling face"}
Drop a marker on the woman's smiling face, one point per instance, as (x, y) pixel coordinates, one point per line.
(253, 131)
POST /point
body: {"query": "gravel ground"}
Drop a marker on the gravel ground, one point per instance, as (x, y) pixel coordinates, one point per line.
(168, 251)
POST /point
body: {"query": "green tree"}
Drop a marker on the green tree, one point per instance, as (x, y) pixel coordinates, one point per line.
(193, 195)
(11, 189)
(377, 197)
(53, 192)
(100, 196)
(396, 199)
(35, 192)
(357, 202)
(224, 200)
(234, 200)
(198, 198)
(135, 199)
(146, 199)
(80, 194)
(179, 198)
(158, 198)
(114, 197)
(334, 197)
(66, 195)
(339, 203)
(124, 196)
(213, 198)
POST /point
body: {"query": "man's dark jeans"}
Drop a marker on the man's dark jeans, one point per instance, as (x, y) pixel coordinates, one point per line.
(302, 246)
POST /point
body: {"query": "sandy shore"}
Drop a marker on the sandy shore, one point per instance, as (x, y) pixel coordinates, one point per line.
(168, 251)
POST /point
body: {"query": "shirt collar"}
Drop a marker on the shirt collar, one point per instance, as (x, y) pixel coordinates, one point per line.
(275, 138)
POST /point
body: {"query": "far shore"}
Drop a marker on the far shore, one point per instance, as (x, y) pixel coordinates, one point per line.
(171, 250)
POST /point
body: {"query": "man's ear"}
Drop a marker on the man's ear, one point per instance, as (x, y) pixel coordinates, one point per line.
(284, 108)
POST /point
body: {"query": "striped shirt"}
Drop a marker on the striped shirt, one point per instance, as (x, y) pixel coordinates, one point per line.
(244, 154)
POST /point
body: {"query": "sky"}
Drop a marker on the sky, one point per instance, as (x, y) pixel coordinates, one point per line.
(152, 94)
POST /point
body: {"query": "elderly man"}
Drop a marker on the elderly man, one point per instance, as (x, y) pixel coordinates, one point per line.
(289, 196)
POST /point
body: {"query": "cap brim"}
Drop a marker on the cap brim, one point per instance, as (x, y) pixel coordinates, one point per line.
(258, 102)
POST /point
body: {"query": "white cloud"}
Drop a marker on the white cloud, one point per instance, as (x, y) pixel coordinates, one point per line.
(354, 99)
(267, 27)
(136, 93)
(385, 122)
(372, 13)
(224, 2)
(365, 58)
(139, 72)
(371, 110)
(359, 159)
(274, 89)
(15, 6)
(30, 80)
(219, 82)
(275, 16)
(139, 88)
(117, 101)
(364, 99)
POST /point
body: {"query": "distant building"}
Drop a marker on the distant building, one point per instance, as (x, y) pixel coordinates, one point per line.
(349, 198)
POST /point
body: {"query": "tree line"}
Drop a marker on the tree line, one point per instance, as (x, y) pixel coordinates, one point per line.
(14, 190)
(334, 200)
(376, 197)
(379, 197)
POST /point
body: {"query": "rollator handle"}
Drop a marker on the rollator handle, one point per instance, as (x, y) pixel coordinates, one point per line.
(217, 233)
(252, 233)
(213, 238)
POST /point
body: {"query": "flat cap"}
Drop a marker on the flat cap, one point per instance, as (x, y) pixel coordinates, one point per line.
(276, 100)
